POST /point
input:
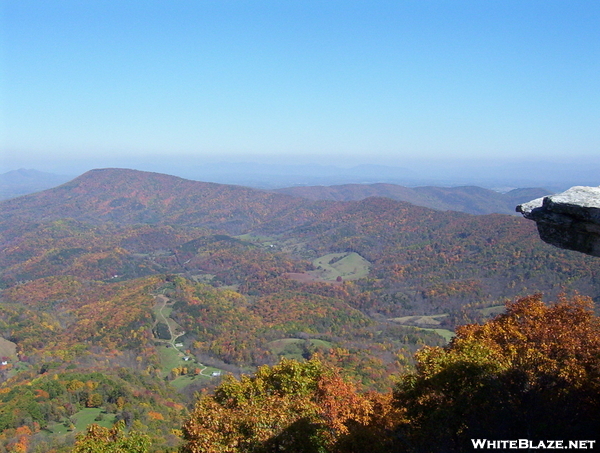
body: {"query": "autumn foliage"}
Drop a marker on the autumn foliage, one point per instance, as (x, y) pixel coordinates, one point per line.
(293, 407)
(84, 266)
(114, 440)
(533, 372)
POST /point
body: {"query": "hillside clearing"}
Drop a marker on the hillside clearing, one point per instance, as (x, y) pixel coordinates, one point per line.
(446, 334)
(432, 320)
(349, 266)
(7, 348)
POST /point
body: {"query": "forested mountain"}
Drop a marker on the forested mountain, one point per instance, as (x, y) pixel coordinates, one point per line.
(469, 199)
(129, 223)
(133, 197)
(123, 292)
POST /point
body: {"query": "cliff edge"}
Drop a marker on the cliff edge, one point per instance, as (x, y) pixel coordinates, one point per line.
(569, 220)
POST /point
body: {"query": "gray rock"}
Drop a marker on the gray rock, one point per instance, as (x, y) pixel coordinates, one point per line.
(569, 220)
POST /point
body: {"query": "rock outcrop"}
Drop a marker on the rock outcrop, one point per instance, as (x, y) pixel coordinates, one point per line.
(569, 220)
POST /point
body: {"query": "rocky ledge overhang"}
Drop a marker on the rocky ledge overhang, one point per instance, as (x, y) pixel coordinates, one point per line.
(569, 220)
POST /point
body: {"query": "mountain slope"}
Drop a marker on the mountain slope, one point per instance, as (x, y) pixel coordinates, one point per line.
(435, 260)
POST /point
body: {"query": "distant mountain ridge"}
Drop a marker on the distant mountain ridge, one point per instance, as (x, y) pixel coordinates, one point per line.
(24, 181)
(469, 199)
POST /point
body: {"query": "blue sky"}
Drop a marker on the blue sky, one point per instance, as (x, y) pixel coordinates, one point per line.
(98, 83)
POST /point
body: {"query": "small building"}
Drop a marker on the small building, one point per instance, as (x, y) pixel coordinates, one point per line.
(216, 373)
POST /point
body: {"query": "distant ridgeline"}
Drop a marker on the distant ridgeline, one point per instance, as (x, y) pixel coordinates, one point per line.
(21, 182)
(469, 199)
(125, 292)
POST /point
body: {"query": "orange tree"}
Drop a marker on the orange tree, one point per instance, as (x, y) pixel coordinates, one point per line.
(293, 407)
(533, 372)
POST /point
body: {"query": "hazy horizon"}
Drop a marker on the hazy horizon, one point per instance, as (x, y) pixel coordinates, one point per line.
(492, 174)
(453, 90)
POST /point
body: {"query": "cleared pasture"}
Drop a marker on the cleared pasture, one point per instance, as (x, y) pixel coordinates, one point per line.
(431, 320)
(446, 334)
(170, 357)
(349, 266)
(183, 381)
(7, 348)
(83, 419)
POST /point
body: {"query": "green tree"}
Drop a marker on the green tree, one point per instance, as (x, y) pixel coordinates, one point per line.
(94, 400)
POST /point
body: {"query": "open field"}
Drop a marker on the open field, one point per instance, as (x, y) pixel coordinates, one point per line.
(83, 419)
(429, 323)
(8, 348)
(170, 358)
(87, 416)
(432, 320)
(448, 335)
(203, 278)
(183, 381)
(349, 266)
(167, 311)
(162, 312)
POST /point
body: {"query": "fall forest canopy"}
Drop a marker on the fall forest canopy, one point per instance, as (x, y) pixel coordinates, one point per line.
(124, 293)
(530, 373)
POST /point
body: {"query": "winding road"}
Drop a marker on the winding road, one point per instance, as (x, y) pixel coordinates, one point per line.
(165, 300)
